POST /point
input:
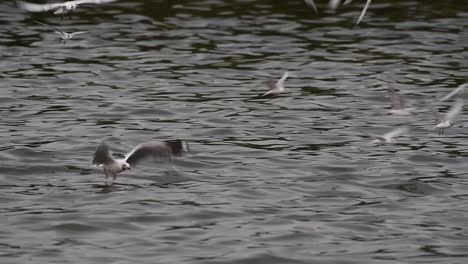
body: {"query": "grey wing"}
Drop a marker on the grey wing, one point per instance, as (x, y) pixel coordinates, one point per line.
(454, 92)
(102, 155)
(148, 150)
(47, 25)
(311, 4)
(438, 117)
(396, 100)
(78, 32)
(79, 2)
(333, 4)
(454, 110)
(364, 10)
(395, 132)
(31, 7)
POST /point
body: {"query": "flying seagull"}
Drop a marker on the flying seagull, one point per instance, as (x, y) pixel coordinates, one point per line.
(387, 138)
(277, 87)
(62, 34)
(446, 121)
(398, 105)
(103, 155)
(60, 8)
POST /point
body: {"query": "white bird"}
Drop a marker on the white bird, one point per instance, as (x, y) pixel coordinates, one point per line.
(311, 4)
(62, 34)
(103, 156)
(446, 121)
(60, 8)
(398, 105)
(387, 138)
(277, 87)
(454, 92)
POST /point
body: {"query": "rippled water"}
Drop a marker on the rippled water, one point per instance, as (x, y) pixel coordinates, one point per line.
(280, 179)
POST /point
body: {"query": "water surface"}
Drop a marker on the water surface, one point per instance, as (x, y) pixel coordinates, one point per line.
(280, 179)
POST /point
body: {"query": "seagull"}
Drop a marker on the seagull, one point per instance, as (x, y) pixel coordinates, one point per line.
(60, 8)
(398, 105)
(447, 121)
(454, 92)
(311, 4)
(62, 34)
(387, 138)
(277, 87)
(103, 156)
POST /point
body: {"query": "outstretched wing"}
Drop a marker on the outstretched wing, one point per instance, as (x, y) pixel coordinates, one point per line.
(47, 25)
(164, 150)
(77, 33)
(454, 92)
(364, 10)
(454, 110)
(396, 100)
(102, 155)
(333, 4)
(79, 2)
(395, 133)
(312, 5)
(31, 7)
(280, 82)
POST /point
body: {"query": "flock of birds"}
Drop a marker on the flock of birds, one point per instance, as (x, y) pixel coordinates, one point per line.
(66, 7)
(168, 149)
(399, 108)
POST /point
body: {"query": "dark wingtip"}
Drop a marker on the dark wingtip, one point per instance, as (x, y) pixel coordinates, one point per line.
(177, 146)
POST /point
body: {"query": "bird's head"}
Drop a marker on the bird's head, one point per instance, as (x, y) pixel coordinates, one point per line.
(126, 166)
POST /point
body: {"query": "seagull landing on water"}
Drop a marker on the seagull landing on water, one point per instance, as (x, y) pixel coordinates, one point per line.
(387, 138)
(447, 121)
(398, 105)
(277, 87)
(103, 156)
(62, 34)
(60, 8)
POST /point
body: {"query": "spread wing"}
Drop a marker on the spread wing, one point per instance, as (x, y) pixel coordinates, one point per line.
(79, 2)
(454, 110)
(47, 25)
(395, 133)
(156, 150)
(280, 82)
(102, 155)
(454, 92)
(396, 100)
(31, 7)
(438, 117)
(312, 5)
(363, 11)
(78, 32)
(333, 4)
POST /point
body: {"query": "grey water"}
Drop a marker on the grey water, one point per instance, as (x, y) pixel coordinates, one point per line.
(289, 178)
